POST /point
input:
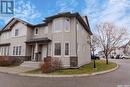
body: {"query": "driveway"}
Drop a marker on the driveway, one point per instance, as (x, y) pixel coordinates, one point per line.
(112, 79)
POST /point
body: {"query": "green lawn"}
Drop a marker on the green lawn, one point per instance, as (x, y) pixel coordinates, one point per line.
(86, 69)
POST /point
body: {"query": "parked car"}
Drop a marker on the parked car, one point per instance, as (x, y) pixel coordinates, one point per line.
(95, 56)
(125, 57)
(112, 57)
(118, 57)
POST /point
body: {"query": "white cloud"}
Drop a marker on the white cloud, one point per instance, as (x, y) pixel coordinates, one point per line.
(24, 10)
(116, 11)
(66, 5)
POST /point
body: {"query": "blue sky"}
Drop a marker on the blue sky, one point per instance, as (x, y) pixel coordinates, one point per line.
(34, 11)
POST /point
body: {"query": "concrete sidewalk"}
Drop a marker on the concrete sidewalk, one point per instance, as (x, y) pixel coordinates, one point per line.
(20, 70)
(16, 70)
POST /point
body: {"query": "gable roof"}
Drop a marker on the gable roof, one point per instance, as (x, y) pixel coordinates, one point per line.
(68, 14)
(47, 20)
(12, 22)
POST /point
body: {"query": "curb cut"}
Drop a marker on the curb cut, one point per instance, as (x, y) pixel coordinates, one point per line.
(60, 76)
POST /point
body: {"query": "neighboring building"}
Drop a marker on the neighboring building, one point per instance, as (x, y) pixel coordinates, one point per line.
(101, 54)
(65, 36)
(122, 50)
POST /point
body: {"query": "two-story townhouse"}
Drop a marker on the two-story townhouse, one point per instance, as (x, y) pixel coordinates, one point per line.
(65, 36)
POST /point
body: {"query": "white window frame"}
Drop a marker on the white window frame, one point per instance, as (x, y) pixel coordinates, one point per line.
(16, 35)
(2, 51)
(5, 51)
(54, 24)
(66, 30)
(35, 31)
(54, 49)
(20, 50)
(8, 51)
(13, 50)
(68, 50)
(16, 49)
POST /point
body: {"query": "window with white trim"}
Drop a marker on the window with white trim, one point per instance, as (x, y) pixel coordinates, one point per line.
(57, 49)
(57, 25)
(67, 49)
(35, 31)
(14, 50)
(67, 25)
(16, 32)
(4, 50)
(17, 50)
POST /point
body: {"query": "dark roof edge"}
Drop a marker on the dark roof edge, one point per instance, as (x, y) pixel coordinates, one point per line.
(68, 14)
(49, 19)
(40, 25)
(28, 24)
(86, 26)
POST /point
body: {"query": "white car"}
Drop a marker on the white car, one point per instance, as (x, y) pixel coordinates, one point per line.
(125, 57)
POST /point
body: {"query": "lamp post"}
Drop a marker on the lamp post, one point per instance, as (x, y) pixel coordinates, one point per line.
(93, 45)
(94, 63)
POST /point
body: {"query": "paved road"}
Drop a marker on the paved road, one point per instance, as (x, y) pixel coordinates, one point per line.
(112, 79)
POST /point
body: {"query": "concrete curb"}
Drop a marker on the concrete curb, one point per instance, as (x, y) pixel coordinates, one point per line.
(59, 76)
(76, 75)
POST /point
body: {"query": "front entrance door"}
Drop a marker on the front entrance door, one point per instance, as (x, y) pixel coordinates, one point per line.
(36, 56)
(32, 54)
(44, 51)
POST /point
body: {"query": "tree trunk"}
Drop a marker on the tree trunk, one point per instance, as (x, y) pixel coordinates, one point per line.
(106, 59)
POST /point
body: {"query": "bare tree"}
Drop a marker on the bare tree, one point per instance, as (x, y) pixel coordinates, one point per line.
(93, 48)
(109, 37)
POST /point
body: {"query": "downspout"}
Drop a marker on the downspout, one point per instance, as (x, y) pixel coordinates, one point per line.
(76, 33)
(76, 40)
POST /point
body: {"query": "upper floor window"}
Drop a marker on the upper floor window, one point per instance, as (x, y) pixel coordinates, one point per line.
(57, 25)
(36, 31)
(16, 32)
(67, 25)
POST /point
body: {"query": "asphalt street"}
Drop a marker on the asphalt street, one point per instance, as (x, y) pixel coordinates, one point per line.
(120, 76)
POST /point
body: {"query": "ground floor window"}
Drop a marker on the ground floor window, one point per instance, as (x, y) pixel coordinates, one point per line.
(66, 49)
(17, 50)
(14, 50)
(57, 49)
(4, 51)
